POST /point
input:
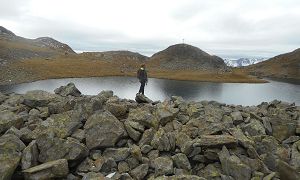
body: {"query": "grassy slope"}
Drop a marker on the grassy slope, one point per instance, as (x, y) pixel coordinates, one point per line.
(79, 66)
(282, 66)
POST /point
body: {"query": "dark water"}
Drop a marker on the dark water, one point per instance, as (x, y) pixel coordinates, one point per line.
(160, 89)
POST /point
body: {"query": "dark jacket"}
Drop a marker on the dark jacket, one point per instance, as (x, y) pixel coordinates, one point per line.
(142, 75)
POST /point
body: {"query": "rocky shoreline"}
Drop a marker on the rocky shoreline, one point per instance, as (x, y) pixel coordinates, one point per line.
(67, 135)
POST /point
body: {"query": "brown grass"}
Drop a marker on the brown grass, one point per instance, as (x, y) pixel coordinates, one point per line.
(78, 66)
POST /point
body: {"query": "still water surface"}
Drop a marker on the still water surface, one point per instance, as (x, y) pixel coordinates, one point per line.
(160, 89)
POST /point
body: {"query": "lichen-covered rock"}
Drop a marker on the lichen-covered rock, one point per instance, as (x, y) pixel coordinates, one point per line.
(103, 130)
(9, 119)
(69, 89)
(53, 148)
(118, 154)
(63, 125)
(165, 113)
(139, 172)
(163, 166)
(50, 170)
(38, 98)
(10, 155)
(216, 141)
(30, 156)
(233, 166)
(181, 161)
(143, 117)
(163, 141)
(117, 109)
(254, 128)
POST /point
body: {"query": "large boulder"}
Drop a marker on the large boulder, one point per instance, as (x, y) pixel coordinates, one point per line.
(117, 109)
(53, 148)
(67, 90)
(211, 141)
(63, 125)
(103, 130)
(11, 148)
(140, 98)
(165, 113)
(38, 98)
(233, 166)
(50, 170)
(30, 156)
(144, 117)
(254, 128)
(295, 159)
(9, 119)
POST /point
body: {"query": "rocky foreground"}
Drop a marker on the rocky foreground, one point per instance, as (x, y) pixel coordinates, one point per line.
(68, 135)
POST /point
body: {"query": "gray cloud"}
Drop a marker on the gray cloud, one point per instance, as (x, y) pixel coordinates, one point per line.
(225, 28)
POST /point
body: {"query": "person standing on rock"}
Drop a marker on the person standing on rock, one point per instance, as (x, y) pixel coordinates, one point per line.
(142, 76)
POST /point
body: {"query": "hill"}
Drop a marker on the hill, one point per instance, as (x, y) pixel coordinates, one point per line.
(13, 47)
(281, 66)
(186, 57)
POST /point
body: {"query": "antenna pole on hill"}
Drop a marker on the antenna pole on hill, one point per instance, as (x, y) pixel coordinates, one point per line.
(183, 41)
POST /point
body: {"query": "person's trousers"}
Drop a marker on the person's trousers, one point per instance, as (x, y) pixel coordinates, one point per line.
(142, 88)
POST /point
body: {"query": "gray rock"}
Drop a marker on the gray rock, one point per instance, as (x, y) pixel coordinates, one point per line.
(93, 176)
(135, 152)
(123, 167)
(132, 129)
(163, 141)
(139, 172)
(147, 137)
(10, 155)
(53, 148)
(287, 172)
(79, 134)
(30, 156)
(38, 98)
(181, 161)
(140, 98)
(103, 130)
(291, 140)
(242, 139)
(233, 166)
(146, 148)
(49, 170)
(295, 158)
(9, 119)
(282, 131)
(165, 113)
(237, 117)
(63, 125)
(216, 141)
(180, 177)
(117, 109)
(163, 166)
(118, 154)
(67, 90)
(254, 128)
(143, 117)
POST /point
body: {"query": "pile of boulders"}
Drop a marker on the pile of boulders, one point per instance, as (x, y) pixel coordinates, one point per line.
(68, 135)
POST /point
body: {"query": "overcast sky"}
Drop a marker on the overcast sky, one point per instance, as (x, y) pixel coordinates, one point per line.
(227, 28)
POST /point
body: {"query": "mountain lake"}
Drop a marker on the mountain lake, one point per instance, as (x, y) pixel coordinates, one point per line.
(161, 89)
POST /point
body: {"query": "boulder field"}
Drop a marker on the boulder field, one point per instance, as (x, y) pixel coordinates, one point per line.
(67, 135)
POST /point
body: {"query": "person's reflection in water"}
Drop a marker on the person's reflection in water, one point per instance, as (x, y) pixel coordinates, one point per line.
(143, 78)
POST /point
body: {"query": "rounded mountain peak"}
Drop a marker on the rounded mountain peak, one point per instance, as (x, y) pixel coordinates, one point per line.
(187, 57)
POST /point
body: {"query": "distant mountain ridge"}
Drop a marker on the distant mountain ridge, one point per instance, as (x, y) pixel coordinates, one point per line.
(240, 62)
(186, 57)
(282, 66)
(117, 56)
(14, 47)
